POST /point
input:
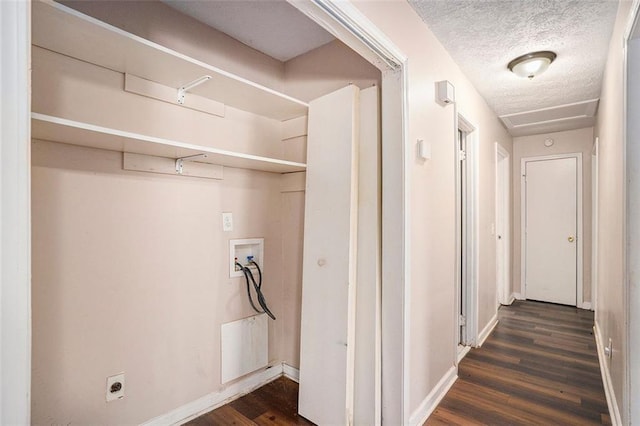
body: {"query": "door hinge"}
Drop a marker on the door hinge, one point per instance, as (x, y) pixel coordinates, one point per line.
(463, 320)
(462, 155)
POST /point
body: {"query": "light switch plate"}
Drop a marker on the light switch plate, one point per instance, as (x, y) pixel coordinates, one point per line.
(227, 221)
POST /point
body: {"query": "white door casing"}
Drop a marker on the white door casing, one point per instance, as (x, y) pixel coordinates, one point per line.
(552, 237)
(595, 195)
(467, 241)
(15, 217)
(631, 128)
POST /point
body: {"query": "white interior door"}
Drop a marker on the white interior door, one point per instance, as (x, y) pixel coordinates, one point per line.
(329, 259)
(368, 361)
(551, 226)
(502, 225)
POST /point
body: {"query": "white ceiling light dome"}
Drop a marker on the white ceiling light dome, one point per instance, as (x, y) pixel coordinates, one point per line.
(531, 64)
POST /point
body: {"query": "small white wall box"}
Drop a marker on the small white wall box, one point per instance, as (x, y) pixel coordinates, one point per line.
(242, 250)
(446, 92)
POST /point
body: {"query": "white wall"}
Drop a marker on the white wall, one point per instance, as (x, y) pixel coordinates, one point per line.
(610, 316)
(571, 141)
(130, 274)
(432, 327)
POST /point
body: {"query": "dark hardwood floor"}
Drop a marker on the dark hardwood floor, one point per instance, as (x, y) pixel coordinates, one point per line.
(275, 403)
(539, 366)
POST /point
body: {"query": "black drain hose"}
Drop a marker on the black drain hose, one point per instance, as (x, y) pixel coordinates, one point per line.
(257, 287)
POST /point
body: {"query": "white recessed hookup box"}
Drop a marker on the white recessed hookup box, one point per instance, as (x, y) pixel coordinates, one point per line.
(241, 250)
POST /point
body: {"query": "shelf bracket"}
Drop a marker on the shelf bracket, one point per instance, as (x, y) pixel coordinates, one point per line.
(182, 91)
(180, 161)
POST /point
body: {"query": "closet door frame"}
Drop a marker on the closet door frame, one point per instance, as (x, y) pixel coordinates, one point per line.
(349, 25)
(15, 225)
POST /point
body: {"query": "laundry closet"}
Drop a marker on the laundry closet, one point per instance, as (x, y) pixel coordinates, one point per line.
(163, 152)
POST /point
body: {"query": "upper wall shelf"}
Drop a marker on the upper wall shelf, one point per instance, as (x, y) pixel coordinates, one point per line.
(64, 30)
(58, 129)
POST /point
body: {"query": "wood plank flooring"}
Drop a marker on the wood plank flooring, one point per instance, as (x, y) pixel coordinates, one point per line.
(274, 404)
(539, 366)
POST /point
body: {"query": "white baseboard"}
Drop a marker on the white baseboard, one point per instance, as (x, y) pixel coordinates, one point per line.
(214, 400)
(462, 352)
(587, 306)
(518, 296)
(432, 400)
(487, 330)
(511, 299)
(614, 412)
(291, 372)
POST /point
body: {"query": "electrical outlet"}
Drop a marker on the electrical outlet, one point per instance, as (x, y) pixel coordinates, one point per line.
(115, 387)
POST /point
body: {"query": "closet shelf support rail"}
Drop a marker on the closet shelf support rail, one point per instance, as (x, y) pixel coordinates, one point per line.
(180, 161)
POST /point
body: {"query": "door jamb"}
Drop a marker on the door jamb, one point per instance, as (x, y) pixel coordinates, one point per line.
(504, 295)
(579, 233)
(631, 296)
(472, 241)
(15, 213)
(595, 178)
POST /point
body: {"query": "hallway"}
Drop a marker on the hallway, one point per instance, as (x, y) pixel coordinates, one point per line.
(539, 366)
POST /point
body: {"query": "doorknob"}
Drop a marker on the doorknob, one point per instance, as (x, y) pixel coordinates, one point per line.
(571, 239)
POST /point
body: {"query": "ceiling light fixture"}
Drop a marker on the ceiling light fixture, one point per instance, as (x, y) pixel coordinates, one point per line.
(532, 64)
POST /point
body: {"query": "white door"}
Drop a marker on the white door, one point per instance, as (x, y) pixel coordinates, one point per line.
(551, 225)
(502, 225)
(329, 260)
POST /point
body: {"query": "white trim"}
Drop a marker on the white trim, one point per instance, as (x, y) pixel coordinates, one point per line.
(430, 403)
(586, 305)
(517, 296)
(214, 400)
(349, 25)
(612, 404)
(361, 34)
(462, 352)
(631, 296)
(511, 299)
(595, 220)
(503, 293)
(579, 220)
(15, 213)
(290, 372)
(471, 219)
(486, 331)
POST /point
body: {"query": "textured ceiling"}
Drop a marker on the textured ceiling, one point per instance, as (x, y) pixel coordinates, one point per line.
(273, 27)
(482, 36)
